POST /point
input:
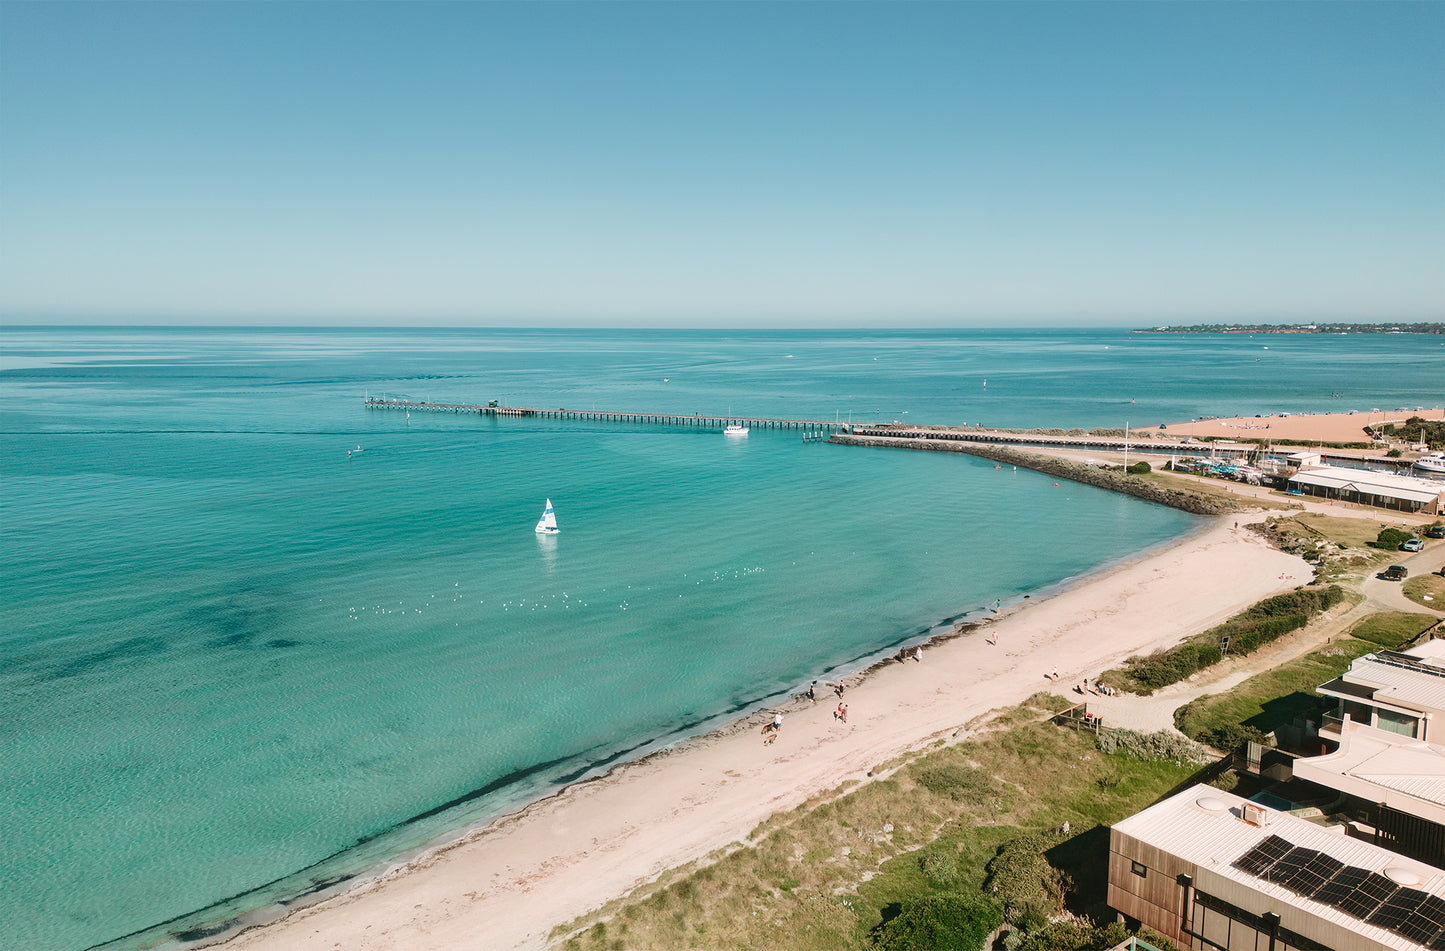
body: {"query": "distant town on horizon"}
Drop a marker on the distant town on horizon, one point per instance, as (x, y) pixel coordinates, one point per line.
(1297, 329)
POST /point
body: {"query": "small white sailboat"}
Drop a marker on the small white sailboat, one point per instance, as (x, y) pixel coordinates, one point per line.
(547, 524)
(734, 429)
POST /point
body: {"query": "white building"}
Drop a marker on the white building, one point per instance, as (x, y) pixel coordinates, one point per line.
(1381, 489)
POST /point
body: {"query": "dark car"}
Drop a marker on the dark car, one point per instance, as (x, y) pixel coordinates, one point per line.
(1435, 531)
(1395, 573)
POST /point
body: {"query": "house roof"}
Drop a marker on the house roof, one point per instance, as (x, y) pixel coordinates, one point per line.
(1400, 680)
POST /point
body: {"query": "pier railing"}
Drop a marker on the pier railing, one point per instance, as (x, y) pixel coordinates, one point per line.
(613, 416)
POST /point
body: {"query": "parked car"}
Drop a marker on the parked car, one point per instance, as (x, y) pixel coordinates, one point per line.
(1412, 544)
(1435, 531)
(1395, 573)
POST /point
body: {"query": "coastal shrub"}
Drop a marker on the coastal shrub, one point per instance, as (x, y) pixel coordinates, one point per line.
(1021, 877)
(1140, 468)
(956, 781)
(939, 865)
(1161, 745)
(1086, 936)
(1259, 624)
(1165, 667)
(1231, 736)
(1391, 539)
(950, 921)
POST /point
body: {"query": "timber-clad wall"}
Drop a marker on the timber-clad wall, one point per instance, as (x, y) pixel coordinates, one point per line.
(1155, 900)
(1193, 502)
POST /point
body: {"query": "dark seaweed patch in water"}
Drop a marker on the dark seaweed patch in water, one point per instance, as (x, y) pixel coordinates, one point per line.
(132, 648)
(245, 619)
(207, 931)
(283, 642)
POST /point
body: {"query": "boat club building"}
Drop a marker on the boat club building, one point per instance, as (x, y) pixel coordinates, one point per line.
(1381, 489)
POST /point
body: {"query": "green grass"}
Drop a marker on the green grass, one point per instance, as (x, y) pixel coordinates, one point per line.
(1418, 587)
(823, 875)
(1275, 697)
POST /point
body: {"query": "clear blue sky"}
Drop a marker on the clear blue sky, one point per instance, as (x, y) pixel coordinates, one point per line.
(721, 164)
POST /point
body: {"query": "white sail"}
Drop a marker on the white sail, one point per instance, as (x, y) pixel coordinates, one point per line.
(547, 524)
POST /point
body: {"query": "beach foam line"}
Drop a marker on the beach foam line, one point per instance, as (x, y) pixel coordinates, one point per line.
(512, 882)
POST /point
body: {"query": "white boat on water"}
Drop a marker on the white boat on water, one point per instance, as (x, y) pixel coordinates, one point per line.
(733, 429)
(547, 524)
(1435, 462)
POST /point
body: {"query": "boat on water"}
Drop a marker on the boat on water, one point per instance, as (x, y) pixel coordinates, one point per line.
(547, 524)
(733, 429)
(1435, 462)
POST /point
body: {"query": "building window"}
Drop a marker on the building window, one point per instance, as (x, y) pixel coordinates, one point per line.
(1138, 869)
(1398, 723)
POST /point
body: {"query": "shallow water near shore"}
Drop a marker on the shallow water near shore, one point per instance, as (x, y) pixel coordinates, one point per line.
(238, 661)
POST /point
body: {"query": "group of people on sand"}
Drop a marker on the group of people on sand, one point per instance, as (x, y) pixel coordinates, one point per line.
(770, 730)
(1098, 690)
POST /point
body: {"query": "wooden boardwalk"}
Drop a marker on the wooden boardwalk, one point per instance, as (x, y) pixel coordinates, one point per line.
(818, 426)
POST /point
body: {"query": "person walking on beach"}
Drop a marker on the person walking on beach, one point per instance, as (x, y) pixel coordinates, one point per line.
(812, 698)
(838, 689)
(918, 653)
(1054, 674)
(841, 713)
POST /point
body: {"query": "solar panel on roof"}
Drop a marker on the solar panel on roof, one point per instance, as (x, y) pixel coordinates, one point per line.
(1397, 908)
(1262, 856)
(1432, 911)
(1285, 866)
(1368, 896)
(1418, 928)
(1345, 881)
(1314, 874)
(1438, 942)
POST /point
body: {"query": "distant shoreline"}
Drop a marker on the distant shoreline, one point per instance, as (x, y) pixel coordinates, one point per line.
(1423, 328)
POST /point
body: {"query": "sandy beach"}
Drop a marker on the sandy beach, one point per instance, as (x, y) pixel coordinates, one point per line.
(1317, 427)
(509, 885)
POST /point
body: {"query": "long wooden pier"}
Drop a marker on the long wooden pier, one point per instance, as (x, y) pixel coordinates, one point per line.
(612, 416)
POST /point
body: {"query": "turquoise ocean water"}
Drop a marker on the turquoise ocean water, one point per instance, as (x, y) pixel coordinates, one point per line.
(238, 664)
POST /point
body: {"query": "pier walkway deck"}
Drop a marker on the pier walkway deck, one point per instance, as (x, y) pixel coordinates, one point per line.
(1143, 443)
(612, 416)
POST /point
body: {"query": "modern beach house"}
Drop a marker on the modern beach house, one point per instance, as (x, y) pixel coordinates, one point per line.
(1364, 867)
(1208, 869)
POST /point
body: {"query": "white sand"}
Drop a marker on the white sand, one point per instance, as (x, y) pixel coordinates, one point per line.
(508, 886)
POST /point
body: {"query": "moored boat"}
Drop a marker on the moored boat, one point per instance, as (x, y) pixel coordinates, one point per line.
(1435, 462)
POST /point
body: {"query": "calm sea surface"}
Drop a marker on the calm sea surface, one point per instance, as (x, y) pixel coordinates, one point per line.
(237, 664)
